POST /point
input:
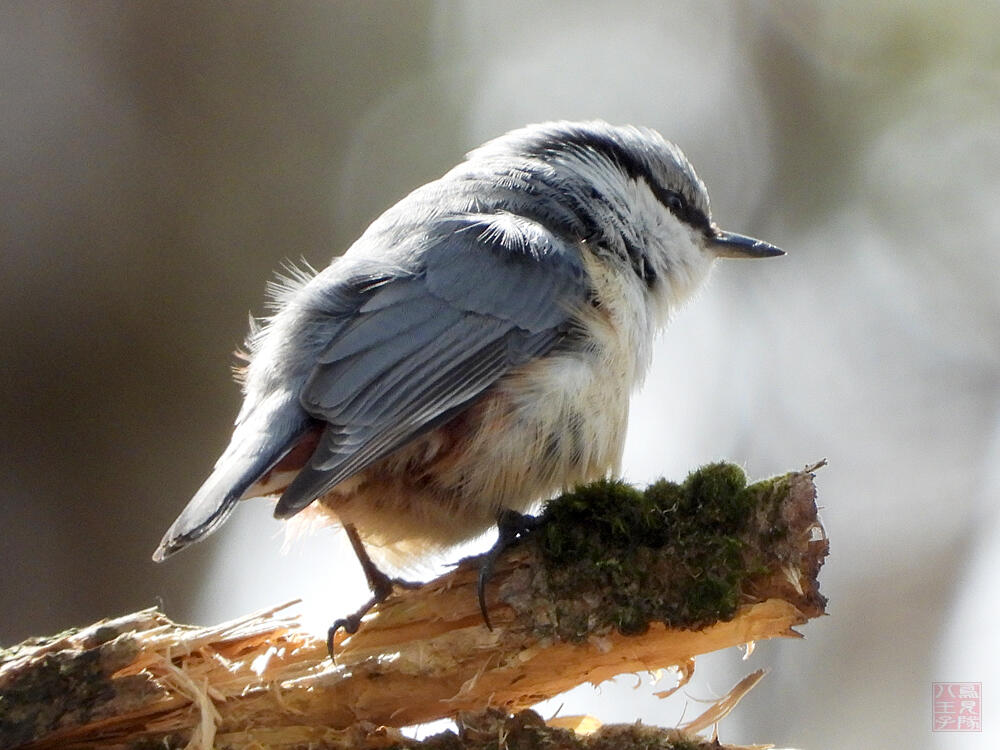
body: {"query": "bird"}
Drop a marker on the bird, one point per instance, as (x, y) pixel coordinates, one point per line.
(473, 352)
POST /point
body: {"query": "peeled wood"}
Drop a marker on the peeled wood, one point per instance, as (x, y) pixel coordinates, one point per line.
(423, 654)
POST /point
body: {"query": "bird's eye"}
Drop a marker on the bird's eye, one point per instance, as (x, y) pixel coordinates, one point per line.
(676, 203)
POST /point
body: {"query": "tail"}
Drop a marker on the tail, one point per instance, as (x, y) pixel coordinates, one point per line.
(260, 440)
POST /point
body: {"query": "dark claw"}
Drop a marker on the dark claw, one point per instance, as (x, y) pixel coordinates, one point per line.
(485, 573)
(382, 587)
(349, 624)
(511, 527)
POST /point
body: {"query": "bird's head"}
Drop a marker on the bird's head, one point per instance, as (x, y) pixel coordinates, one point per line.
(629, 193)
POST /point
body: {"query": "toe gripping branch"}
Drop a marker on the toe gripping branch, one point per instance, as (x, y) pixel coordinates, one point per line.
(511, 528)
(382, 586)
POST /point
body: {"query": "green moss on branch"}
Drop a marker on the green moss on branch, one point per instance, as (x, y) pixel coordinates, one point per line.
(685, 555)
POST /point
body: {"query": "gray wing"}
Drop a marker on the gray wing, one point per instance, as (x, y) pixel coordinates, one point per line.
(491, 293)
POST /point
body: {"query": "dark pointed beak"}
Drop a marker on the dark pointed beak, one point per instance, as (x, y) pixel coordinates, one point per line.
(730, 245)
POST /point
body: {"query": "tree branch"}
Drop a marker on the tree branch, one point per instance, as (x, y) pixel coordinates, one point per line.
(613, 581)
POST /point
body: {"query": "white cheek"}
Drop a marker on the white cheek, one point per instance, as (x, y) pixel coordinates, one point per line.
(673, 249)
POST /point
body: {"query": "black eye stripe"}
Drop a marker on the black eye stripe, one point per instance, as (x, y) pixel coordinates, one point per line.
(679, 206)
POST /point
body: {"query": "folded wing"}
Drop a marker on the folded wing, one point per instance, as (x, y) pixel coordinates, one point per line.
(489, 293)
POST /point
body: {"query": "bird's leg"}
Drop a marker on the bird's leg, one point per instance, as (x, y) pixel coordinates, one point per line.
(511, 527)
(380, 584)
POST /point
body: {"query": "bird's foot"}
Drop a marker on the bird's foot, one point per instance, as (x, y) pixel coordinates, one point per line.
(382, 587)
(511, 527)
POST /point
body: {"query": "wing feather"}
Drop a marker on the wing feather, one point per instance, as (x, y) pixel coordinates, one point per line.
(490, 294)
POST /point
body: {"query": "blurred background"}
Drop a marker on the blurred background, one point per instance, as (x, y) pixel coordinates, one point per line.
(158, 161)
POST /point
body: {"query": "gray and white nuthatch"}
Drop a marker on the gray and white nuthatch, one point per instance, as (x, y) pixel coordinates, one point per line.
(474, 351)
